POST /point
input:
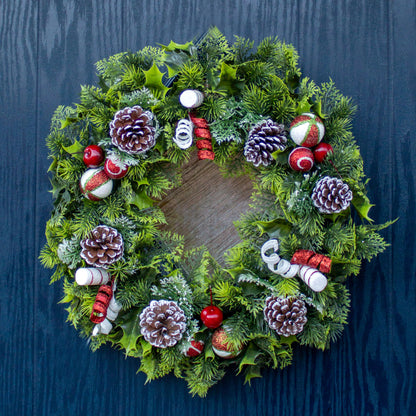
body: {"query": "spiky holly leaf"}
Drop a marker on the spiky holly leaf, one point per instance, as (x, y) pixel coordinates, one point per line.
(141, 200)
(249, 357)
(362, 205)
(154, 82)
(131, 332)
(275, 228)
(76, 150)
(228, 80)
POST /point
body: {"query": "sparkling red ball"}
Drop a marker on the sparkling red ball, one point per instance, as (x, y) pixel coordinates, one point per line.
(93, 156)
(220, 345)
(195, 349)
(115, 169)
(211, 316)
(301, 159)
(321, 151)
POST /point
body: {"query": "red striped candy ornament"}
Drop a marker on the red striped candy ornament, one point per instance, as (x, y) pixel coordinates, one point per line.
(115, 168)
(307, 130)
(95, 184)
(195, 348)
(301, 159)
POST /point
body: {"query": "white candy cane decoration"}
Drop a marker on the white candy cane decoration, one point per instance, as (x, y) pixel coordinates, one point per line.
(183, 134)
(88, 276)
(106, 326)
(312, 277)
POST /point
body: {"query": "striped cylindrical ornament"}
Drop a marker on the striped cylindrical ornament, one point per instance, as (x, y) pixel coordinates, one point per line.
(88, 276)
(203, 138)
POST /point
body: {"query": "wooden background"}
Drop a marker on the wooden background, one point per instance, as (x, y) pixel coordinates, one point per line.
(49, 47)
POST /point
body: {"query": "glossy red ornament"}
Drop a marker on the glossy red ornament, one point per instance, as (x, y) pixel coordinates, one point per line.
(114, 168)
(320, 152)
(211, 316)
(93, 156)
(195, 349)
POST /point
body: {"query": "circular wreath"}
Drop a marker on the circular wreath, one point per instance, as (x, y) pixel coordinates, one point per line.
(117, 152)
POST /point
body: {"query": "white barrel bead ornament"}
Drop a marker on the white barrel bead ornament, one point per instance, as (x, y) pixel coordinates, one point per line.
(106, 326)
(88, 276)
(270, 245)
(184, 134)
(191, 98)
(313, 278)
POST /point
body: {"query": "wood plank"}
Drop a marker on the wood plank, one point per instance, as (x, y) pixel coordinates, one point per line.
(18, 98)
(204, 207)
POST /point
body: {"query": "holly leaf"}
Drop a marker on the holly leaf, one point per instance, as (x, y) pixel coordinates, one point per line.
(53, 165)
(317, 109)
(154, 81)
(76, 150)
(280, 156)
(252, 371)
(304, 106)
(228, 79)
(131, 333)
(141, 200)
(249, 357)
(177, 46)
(68, 121)
(362, 205)
(275, 228)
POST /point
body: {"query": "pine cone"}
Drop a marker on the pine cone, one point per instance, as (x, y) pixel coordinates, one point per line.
(286, 316)
(264, 138)
(331, 195)
(162, 323)
(131, 130)
(102, 247)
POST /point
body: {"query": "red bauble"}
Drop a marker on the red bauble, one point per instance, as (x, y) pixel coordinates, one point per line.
(211, 316)
(301, 159)
(114, 168)
(93, 156)
(321, 151)
(195, 349)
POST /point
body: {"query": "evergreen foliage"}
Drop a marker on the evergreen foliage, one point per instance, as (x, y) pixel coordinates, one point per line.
(242, 86)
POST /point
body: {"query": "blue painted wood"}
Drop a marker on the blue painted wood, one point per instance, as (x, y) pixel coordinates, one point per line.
(48, 48)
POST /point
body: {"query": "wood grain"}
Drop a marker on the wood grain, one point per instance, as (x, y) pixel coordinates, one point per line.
(204, 207)
(49, 47)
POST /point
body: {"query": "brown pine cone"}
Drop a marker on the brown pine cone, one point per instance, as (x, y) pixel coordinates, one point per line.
(286, 316)
(331, 195)
(131, 130)
(102, 247)
(264, 138)
(162, 323)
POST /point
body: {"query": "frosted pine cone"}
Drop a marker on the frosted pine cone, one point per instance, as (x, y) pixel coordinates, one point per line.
(286, 316)
(102, 247)
(162, 323)
(131, 130)
(264, 138)
(331, 195)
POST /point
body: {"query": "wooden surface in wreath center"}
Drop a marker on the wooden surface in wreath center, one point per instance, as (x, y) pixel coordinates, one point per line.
(204, 207)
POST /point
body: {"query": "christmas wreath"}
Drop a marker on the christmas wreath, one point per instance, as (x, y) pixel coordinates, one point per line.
(116, 153)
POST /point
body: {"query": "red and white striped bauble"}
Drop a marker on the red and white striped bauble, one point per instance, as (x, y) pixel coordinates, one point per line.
(195, 349)
(301, 159)
(95, 184)
(307, 130)
(115, 168)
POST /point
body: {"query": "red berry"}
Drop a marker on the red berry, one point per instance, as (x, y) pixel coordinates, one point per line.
(211, 316)
(321, 151)
(93, 156)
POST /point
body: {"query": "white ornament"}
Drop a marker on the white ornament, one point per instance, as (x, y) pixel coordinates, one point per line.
(95, 184)
(191, 98)
(88, 276)
(106, 326)
(312, 277)
(183, 134)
